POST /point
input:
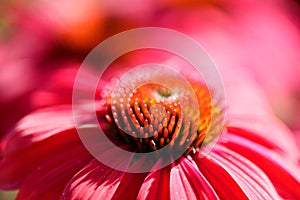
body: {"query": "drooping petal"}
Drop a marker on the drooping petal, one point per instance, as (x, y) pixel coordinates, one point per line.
(37, 126)
(85, 182)
(36, 139)
(241, 176)
(180, 180)
(125, 191)
(220, 179)
(186, 182)
(13, 168)
(50, 178)
(156, 185)
(97, 181)
(267, 131)
(283, 173)
(253, 180)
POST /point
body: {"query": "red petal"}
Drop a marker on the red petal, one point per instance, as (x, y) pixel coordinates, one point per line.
(186, 182)
(19, 164)
(251, 179)
(267, 131)
(97, 181)
(131, 191)
(156, 185)
(220, 179)
(51, 177)
(283, 174)
(183, 180)
(37, 126)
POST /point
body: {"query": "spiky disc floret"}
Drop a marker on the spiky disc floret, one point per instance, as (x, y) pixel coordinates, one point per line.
(152, 116)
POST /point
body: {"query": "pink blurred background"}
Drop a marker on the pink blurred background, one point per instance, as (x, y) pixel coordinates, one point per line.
(42, 41)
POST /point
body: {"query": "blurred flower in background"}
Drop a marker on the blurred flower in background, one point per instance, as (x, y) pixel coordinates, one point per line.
(43, 43)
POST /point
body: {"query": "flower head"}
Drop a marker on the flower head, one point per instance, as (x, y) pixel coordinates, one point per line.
(43, 155)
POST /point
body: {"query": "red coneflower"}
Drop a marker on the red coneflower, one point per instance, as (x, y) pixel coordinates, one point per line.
(43, 156)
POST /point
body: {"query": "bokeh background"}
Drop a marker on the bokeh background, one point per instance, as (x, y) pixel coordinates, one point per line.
(42, 41)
